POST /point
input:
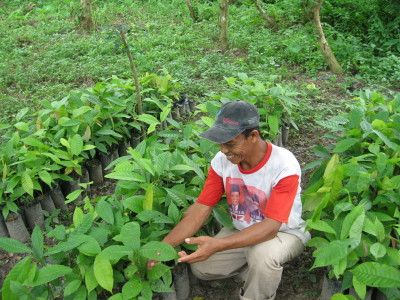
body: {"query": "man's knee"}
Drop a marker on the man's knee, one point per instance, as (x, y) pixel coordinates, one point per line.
(200, 271)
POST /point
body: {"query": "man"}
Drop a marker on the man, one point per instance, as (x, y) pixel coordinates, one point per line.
(256, 248)
(237, 210)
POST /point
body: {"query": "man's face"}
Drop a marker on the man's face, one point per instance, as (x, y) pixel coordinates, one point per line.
(235, 198)
(238, 149)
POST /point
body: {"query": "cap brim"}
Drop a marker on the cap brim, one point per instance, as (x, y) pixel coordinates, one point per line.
(220, 135)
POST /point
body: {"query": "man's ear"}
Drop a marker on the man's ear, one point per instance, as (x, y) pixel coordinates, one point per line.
(254, 136)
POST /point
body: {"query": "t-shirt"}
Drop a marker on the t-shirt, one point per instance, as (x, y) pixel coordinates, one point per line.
(271, 189)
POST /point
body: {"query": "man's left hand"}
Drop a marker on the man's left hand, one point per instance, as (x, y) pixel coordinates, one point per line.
(207, 247)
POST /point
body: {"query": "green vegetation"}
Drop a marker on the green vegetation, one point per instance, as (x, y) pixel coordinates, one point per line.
(68, 95)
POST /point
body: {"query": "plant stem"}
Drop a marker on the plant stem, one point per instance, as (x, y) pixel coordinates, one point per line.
(133, 69)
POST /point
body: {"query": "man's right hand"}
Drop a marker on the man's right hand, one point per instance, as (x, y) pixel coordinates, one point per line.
(151, 263)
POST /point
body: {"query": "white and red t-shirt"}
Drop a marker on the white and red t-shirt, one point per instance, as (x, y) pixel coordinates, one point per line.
(271, 189)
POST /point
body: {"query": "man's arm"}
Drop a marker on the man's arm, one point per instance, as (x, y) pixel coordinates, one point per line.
(255, 234)
(192, 220)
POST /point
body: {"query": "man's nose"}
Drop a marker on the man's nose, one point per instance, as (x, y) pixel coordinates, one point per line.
(223, 148)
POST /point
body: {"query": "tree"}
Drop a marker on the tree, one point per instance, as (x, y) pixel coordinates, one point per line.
(323, 43)
(270, 21)
(192, 11)
(224, 18)
(85, 16)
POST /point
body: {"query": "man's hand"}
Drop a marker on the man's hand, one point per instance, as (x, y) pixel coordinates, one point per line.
(207, 247)
(151, 263)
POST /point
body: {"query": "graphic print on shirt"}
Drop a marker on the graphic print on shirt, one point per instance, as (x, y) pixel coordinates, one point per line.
(246, 203)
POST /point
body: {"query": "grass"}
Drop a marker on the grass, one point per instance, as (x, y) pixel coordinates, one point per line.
(44, 54)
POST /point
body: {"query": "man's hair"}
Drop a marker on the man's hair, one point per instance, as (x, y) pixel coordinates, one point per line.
(235, 188)
(247, 132)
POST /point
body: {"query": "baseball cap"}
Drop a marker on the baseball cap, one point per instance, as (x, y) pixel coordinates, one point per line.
(232, 119)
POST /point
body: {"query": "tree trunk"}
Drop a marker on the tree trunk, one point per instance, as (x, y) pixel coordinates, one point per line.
(323, 43)
(85, 17)
(224, 18)
(192, 12)
(270, 21)
(133, 69)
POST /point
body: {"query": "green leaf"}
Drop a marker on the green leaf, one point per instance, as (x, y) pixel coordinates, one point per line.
(378, 250)
(73, 196)
(18, 273)
(377, 275)
(72, 287)
(37, 242)
(273, 123)
(22, 126)
(90, 247)
(90, 279)
(130, 235)
(128, 176)
(32, 142)
(105, 211)
(132, 288)
(345, 144)
(148, 198)
(49, 273)
(103, 273)
(27, 183)
(360, 288)
(115, 252)
(222, 216)
(76, 145)
(19, 290)
(353, 223)
(342, 297)
(13, 246)
(157, 271)
(148, 119)
(334, 252)
(158, 251)
(45, 177)
(320, 226)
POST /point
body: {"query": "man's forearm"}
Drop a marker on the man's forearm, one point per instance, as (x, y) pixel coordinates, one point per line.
(193, 219)
(255, 234)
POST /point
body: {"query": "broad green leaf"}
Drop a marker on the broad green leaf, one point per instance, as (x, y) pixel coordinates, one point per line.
(181, 168)
(65, 143)
(27, 183)
(208, 121)
(76, 144)
(115, 252)
(31, 141)
(158, 251)
(13, 246)
(353, 223)
(342, 297)
(130, 235)
(116, 297)
(90, 247)
(128, 176)
(77, 217)
(148, 119)
(37, 242)
(157, 271)
(45, 177)
(377, 275)
(73, 196)
(18, 273)
(132, 288)
(72, 243)
(320, 226)
(222, 216)
(148, 198)
(19, 290)
(333, 252)
(273, 124)
(49, 273)
(173, 213)
(378, 250)
(360, 288)
(164, 113)
(105, 211)
(90, 280)
(103, 273)
(379, 230)
(345, 144)
(154, 216)
(22, 126)
(72, 287)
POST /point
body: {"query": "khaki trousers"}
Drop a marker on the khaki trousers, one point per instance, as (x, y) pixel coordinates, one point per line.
(260, 266)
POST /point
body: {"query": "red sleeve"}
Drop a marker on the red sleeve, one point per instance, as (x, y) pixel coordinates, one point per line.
(281, 200)
(213, 189)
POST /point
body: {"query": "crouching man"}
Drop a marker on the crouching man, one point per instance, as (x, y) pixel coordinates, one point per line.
(264, 181)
